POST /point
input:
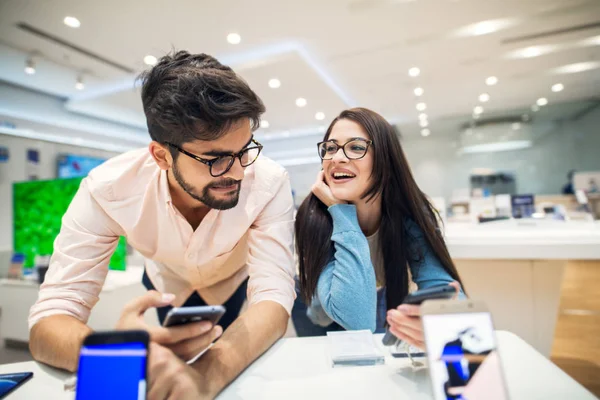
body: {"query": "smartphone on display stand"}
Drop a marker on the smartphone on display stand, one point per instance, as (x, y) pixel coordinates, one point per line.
(113, 365)
(416, 298)
(10, 382)
(462, 352)
(184, 315)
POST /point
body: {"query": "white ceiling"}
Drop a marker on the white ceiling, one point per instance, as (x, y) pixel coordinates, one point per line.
(334, 53)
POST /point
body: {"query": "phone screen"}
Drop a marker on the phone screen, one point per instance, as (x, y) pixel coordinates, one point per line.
(463, 357)
(112, 371)
(9, 381)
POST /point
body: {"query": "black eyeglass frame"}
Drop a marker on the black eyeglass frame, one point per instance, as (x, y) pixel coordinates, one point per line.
(233, 156)
(343, 147)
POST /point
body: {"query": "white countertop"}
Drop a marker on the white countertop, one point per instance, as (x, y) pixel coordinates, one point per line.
(300, 368)
(524, 239)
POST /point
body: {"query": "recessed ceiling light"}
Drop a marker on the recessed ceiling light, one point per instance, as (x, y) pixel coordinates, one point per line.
(234, 38)
(577, 67)
(421, 106)
(422, 116)
(484, 97)
(425, 132)
(491, 81)
(72, 22)
(150, 60)
(542, 101)
(79, 85)
(516, 126)
(274, 83)
(320, 116)
(485, 27)
(300, 101)
(419, 91)
(535, 108)
(414, 72)
(30, 66)
(423, 123)
(264, 123)
(478, 110)
(558, 87)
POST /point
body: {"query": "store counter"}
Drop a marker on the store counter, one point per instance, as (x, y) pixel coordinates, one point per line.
(300, 368)
(516, 267)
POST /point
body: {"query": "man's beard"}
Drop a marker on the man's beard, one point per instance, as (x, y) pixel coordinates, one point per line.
(206, 197)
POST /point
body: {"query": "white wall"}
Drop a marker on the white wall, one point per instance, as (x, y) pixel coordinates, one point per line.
(541, 169)
(15, 170)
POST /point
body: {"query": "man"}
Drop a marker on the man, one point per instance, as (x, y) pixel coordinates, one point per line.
(212, 219)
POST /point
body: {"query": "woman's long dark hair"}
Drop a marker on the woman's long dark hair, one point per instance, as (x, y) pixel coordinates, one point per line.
(401, 198)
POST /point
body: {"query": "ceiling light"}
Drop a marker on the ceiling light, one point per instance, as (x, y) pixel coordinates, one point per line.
(535, 108)
(497, 146)
(274, 83)
(264, 123)
(484, 97)
(478, 110)
(591, 41)
(542, 101)
(423, 123)
(558, 87)
(485, 27)
(320, 116)
(300, 101)
(421, 106)
(422, 116)
(72, 22)
(414, 72)
(425, 132)
(516, 126)
(150, 60)
(532, 51)
(79, 85)
(491, 81)
(419, 91)
(234, 38)
(578, 67)
(30, 66)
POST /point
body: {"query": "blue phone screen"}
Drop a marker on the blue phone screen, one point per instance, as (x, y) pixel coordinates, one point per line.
(9, 381)
(112, 371)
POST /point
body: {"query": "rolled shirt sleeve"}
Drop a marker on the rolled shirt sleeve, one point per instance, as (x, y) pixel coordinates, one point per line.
(270, 257)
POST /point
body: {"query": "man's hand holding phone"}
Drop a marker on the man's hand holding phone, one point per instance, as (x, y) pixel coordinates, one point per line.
(405, 322)
(186, 341)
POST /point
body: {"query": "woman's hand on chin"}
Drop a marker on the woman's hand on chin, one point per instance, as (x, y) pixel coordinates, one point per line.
(323, 191)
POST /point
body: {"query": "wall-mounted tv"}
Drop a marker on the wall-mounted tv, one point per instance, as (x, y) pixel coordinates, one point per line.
(76, 166)
(38, 208)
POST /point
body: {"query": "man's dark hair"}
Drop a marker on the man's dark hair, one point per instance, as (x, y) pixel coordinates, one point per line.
(190, 97)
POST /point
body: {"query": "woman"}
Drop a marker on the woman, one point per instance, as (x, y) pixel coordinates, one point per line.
(365, 224)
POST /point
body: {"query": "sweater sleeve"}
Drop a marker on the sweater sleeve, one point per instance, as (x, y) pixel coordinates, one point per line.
(426, 269)
(347, 288)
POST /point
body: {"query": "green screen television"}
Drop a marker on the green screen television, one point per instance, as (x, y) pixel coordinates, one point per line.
(38, 208)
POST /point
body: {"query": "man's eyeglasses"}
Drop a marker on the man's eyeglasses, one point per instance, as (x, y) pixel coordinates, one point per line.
(354, 149)
(220, 165)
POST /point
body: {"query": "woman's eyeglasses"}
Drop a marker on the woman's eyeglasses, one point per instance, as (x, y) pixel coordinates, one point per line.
(354, 149)
(220, 165)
